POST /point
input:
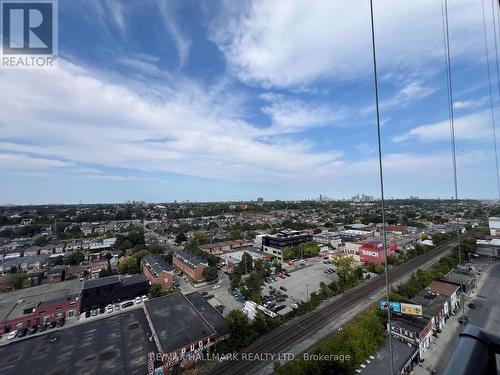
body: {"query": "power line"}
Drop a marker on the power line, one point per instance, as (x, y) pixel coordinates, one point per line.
(490, 90)
(386, 267)
(452, 135)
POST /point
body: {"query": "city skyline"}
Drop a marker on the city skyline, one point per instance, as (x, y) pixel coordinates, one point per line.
(162, 101)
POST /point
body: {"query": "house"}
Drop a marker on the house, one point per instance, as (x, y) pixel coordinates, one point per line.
(434, 307)
(24, 263)
(467, 282)
(35, 277)
(59, 248)
(48, 249)
(448, 290)
(157, 271)
(32, 251)
(76, 272)
(96, 267)
(412, 330)
(190, 263)
(56, 274)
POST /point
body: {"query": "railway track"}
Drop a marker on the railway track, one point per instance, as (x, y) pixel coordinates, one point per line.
(304, 326)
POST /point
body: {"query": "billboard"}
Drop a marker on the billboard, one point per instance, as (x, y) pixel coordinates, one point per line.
(409, 309)
(394, 306)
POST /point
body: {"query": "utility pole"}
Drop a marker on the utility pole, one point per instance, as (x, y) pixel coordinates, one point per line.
(307, 292)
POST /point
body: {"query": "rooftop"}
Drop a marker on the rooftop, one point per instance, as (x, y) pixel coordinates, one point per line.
(443, 288)
(190, 256)
(176, 322)
(96, 283)
(116, 345)
(156, 263)
(378, 365)
(209, 313)
(10, 308)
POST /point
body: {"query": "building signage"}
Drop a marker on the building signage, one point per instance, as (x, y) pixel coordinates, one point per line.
(370, 253)
(394, 306)
(410, 309)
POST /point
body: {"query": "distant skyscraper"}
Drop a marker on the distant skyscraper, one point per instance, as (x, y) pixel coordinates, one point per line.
(260, 201)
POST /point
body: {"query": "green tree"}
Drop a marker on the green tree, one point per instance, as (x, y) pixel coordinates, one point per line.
(129, 266)
(155, 291)
(239, 330)
(17, 280)
(76, 258)
(246, 263)
(41, 241)
(210, 273)
(105, 272)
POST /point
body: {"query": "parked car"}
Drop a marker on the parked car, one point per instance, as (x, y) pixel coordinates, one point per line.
(127, 304)
(109, 309)
(60, 323)
(295, 306)
(283, 288)
(52, 324)
(138, 300)
(102, 310)
(87, 314)
(42, 327)
(144, 298)
(117, 306)
(216, 287)
(463, 320)
(22, 332)
(32, 330)
(281, 299)
(94, 312)
(12, 335)
(204, 294)
(472, 305)
(280, 307)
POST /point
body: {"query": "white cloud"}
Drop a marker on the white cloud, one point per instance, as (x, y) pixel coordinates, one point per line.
(292, 115)
(168, 11)
(476, 126)
(18, 162)
(292, 43)
(71, 113)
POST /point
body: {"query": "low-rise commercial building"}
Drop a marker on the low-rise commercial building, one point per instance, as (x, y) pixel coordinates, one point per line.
(183, 327)
(39, 304)
(231, 260)
(98, 293)
(275, 244)
(373, 251)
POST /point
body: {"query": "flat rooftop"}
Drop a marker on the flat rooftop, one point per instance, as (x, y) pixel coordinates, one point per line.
(31, 297)
(176, 322)
(378, 365)
(116, 345)
(209, 313)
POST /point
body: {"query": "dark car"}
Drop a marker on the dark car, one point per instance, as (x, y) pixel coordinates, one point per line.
(281, 299)
(204, 293)
(87, 314)
(42, 327)
(280, 307)
(127, 304)
(52, 324)
(283, 288)
(472, 305)
(463, 320)
(102, 310)
(60, 323)
(22, 332)
(32, 330)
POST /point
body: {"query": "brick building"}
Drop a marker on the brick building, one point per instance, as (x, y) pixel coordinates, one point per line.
(157, 271)
(190, 263)
(373, 251)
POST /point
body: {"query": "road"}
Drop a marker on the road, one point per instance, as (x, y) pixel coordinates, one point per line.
(486, 315)
(306, 325)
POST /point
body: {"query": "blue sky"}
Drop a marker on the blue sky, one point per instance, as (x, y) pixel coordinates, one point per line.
(226, 100)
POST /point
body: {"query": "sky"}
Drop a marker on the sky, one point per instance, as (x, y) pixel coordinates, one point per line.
(160, 100)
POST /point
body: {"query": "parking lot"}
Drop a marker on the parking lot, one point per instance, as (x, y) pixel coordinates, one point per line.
(302, 282)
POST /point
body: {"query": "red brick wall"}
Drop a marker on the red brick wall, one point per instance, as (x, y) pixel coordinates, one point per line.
(164, 279)
(194, 274)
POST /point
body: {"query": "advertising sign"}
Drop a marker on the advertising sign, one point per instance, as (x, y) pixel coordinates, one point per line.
(409, 309)
(394, 306)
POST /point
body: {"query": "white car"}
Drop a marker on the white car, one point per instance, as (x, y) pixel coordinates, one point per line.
(138, 300)
(216, 287)
(295, 306)
(109, 309)
(12, 335)
(144, 298)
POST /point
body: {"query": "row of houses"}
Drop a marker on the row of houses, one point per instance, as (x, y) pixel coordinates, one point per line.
(418, 320)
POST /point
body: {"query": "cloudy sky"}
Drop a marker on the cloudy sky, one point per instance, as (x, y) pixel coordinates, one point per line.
(228, 100)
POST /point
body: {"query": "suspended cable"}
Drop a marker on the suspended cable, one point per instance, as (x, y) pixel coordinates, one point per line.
(382, 197)
(452, 137)
(491, 95)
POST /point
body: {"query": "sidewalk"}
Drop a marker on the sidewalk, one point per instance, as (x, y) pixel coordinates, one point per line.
(436, 357)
